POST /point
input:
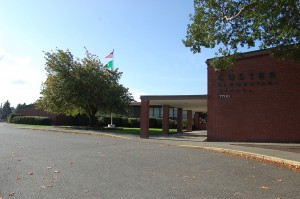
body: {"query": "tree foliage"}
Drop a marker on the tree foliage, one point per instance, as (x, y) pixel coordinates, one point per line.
(230, 25)
(76, 86)
(6, 110)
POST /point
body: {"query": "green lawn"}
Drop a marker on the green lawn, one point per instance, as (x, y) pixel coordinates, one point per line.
(136, 131)
(122, 130)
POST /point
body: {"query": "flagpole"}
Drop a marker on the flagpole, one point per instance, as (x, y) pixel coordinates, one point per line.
(111, 114)
(113, 58)
(111, 119)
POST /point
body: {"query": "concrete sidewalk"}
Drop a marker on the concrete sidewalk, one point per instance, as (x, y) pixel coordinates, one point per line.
(278, 153)
(281, 153)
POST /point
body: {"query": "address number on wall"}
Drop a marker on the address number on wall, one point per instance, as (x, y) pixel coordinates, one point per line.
(224, 96)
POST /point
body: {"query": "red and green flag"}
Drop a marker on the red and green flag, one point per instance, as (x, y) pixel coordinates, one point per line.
(109, 65)
(111, 55)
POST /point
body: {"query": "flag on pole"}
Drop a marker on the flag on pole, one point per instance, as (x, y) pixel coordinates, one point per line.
(111, 55)
(109, 65)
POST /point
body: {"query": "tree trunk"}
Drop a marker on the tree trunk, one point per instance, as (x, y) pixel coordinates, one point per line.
(92, 120)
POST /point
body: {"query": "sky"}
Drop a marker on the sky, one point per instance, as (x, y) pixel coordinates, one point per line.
(146, 37)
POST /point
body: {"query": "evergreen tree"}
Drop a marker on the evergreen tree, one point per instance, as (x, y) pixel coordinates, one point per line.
(6, 110)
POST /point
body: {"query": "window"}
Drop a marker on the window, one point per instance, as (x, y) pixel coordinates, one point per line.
(156, 112)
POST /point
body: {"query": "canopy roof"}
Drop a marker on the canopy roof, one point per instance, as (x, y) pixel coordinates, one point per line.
(196, 103)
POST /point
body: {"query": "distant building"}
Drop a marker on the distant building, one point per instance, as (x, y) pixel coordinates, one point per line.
(56, 119)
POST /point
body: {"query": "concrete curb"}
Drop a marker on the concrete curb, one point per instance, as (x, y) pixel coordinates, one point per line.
(295, 165)
(81, 133)
(96, 134)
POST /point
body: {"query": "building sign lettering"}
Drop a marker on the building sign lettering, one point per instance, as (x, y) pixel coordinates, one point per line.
(224, 96)
(229, 83)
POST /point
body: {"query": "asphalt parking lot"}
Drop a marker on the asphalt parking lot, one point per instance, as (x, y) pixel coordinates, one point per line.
(44, 164)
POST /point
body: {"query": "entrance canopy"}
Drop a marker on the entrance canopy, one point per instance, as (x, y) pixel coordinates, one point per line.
(196, 103)
(190, 103)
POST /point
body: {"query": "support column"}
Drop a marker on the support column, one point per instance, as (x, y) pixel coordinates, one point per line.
(179, 120)
(189, 121)
(165, 122)
(196, 120)
(144, 122)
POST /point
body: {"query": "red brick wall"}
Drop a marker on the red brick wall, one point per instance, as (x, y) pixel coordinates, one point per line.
(55, 119)
(165, 122)
(260, 103)
(196, 121)
(144, 123)
(36, 112)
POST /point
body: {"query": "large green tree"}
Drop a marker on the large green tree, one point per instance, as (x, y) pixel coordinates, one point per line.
(6, 110)
(80, 86)
(230, 25)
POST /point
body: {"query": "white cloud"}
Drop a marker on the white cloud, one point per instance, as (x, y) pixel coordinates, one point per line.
(20, 80)
(136, 94)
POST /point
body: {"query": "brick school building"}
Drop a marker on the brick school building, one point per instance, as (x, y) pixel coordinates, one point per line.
(257, 101)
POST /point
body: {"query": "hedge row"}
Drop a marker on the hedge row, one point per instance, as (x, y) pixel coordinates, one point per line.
(34, 120)
(120, 121)
(11, 116)
(102, 121)
(135, 122)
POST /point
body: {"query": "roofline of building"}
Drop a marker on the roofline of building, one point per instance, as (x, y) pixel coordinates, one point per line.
(135, 103)
(172, 97)
(248, 54)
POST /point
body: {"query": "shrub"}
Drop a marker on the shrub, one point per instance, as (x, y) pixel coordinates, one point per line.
(11, 116)
(134, 122)
(125, 122)
(152, 123)
(117, 121)
(34, 120)
(82, 120)
(158, 122)
(172, 124)
(103, 121)
(184, 124)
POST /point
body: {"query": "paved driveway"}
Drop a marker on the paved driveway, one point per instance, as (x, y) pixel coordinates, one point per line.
(40, 164)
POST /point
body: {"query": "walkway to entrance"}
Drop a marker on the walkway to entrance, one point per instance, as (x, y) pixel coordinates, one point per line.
(185, 137)
(191, 103)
